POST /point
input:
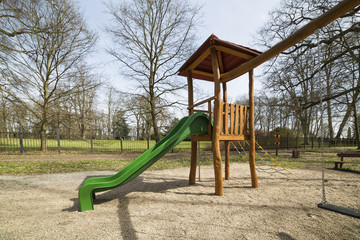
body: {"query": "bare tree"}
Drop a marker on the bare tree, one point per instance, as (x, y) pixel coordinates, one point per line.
(331, 45)
(83, 99)
(39, 64)
(150, 39)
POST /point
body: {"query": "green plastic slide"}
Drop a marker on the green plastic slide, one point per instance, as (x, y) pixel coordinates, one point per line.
(195, 124)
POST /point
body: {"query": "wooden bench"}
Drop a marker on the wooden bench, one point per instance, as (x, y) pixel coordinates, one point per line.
(344, 155)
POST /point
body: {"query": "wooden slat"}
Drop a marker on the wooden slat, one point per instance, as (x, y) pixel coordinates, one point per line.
(231, 118)
(245, 120)
(241, 120)
(226, 120)
(236, 120)
(224, 137)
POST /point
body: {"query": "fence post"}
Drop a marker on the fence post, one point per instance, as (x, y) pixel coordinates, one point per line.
(305, 140)
(312, 142)
(121, 145)
(287, 142)
(21, 143)
(148, 143)
(297, 142)
(91, 144)
(58, 139)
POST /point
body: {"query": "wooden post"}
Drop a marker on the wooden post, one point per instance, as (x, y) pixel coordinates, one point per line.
(227, 160)
(254, 180)
(217, 125)
(193, 161)
(192, 174)
(190, 92)
(226, 130)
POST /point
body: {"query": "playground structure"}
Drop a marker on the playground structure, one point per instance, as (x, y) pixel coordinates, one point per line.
(214, 53)
(231, 122)
(217, 61)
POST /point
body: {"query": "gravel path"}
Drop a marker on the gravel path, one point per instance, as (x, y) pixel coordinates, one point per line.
(161, 205)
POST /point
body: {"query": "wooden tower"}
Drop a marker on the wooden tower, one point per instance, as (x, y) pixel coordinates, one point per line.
(231, 122)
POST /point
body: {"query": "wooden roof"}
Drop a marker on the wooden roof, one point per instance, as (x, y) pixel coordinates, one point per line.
(230, 56)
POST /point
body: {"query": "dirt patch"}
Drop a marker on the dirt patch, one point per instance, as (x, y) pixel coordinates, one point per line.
(161, 205)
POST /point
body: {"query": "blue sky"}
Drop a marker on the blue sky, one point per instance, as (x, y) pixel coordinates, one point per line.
(232, 20)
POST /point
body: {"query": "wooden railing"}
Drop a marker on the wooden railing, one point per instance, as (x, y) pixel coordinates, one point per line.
(234, 121)
(209, 111)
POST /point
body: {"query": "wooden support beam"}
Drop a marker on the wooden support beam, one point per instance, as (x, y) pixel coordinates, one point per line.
(254, 180)
(217, 125)
(202, 73)
(227, 160)
(221, 64)
(204, 55)
(190, 93)
(319, 22)
(192, 174)
(234, 52)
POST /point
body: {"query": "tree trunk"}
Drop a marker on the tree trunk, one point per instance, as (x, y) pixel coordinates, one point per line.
(344, 121)
(330, 124)
(154, 120)
(356, 124)
(153, 108)
(43, 128)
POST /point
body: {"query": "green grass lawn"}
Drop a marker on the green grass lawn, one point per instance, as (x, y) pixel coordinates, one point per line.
(34, 164)
(32, 146)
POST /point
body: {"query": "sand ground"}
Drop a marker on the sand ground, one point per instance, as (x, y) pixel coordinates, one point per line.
(161, 205)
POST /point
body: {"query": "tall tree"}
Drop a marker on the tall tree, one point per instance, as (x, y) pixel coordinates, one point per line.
(38, 64)
(151, 38)
(331, 45)
(83, 98)
(120, 128)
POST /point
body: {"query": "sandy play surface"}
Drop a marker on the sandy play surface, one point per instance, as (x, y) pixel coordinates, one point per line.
(161, 205)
